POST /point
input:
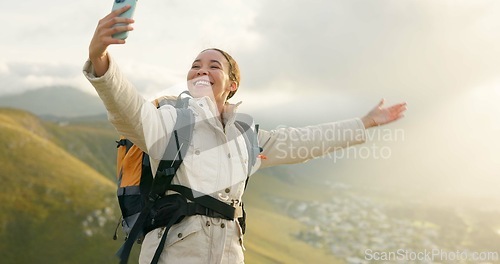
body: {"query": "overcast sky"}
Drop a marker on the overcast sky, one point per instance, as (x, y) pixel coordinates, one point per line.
(323, 59)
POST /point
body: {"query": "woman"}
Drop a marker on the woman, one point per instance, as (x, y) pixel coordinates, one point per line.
(214, 163)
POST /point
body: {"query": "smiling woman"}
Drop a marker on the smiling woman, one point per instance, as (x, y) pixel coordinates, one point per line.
(216, 74)
(222, 150)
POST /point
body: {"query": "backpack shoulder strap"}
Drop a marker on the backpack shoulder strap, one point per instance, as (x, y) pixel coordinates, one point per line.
(176, 148)
(244, 124)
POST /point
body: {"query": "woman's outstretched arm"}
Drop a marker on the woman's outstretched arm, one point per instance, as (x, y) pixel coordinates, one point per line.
(294, 145)
(103, 37)
(133, 117)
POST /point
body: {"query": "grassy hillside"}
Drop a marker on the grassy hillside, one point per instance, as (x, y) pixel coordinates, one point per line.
(92, 141)
(269, 237)
(55, 208)
(269, 240)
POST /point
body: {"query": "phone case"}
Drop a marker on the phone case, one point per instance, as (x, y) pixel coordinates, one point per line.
(117, 4)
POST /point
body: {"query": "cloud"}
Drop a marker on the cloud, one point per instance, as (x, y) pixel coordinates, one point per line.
(153, 80)
(4, 69)
(155, 52)
(364, 49)
(17, 76)
(396, 47)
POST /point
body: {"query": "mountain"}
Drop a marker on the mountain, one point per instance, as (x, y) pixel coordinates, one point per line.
(59, 101)
(90, 139)
(55, 208)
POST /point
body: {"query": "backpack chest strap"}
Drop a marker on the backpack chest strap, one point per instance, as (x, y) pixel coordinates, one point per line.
(224, 209)
(198, 209)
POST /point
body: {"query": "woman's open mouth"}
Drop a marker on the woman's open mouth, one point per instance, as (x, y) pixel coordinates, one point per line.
(202, 83)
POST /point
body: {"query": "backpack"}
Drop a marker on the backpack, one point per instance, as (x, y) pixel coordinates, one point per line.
(141, 198)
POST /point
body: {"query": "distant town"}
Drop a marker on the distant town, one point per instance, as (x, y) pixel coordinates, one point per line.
(360, 229)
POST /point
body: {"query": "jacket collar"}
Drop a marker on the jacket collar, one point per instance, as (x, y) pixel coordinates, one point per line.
(206, 105)
(229, 114)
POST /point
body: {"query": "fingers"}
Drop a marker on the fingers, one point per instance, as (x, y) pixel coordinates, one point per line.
(401, 105)
(117, 12)
(398, 107)
(384, 115)
(115, 20)
(117, 29)
(401, 108)
(398, 110)
(379, 105)
(103, 37)
(107, 26)
(398, 117)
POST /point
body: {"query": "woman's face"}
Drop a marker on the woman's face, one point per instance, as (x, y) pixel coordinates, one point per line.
(209, 76)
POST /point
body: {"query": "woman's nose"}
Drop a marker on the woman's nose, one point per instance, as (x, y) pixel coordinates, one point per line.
(202, 71)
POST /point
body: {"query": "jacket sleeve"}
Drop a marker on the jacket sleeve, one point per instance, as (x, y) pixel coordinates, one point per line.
(290, 145)
(132, 116)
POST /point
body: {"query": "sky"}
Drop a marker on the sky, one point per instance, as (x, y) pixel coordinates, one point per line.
(320, 60)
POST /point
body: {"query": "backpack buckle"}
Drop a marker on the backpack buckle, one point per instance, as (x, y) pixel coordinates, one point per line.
(238, 211)
(235, 203)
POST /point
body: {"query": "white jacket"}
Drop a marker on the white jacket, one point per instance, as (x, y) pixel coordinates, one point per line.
(215, 162)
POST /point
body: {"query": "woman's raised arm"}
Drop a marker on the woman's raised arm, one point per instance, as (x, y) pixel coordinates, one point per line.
(103, 37)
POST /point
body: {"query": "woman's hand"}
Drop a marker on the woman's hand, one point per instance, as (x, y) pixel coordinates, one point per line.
(103, 37)
(381, 116)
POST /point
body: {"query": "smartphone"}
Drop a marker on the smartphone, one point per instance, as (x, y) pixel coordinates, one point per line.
(117, 4)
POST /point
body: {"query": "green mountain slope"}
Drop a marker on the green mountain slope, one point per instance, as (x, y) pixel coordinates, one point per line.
(269, 240)
(92, 140)
(55, 208)
(270, 233)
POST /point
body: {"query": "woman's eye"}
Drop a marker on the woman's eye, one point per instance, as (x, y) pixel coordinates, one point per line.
(195, 67)
(214, 67)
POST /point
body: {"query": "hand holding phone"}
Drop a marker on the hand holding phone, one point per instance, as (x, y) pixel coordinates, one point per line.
(117, 4)
(103, 37)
